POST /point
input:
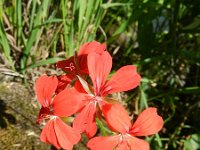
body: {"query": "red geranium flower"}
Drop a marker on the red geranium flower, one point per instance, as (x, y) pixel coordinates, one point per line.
(56, 132)
(63, 82)
(77, 65)
(147, 123)
(99, 66)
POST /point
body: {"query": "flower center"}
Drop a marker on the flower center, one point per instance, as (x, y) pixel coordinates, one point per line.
(94, 99)
(124, 137)
(52, 117)
(97, 99)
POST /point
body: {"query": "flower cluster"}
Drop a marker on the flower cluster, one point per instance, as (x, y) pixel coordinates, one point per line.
(84, 92)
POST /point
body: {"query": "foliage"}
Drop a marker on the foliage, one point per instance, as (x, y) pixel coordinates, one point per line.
(160, 37)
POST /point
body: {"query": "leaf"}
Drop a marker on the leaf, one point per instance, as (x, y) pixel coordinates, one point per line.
(107, 5)
(4, 44)
(44, 62)
(193, 143)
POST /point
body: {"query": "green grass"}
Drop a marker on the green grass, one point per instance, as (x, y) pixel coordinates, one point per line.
(71, 22)
(160, 37)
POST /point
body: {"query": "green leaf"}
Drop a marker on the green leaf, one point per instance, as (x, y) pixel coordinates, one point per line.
(189, 90)
(143, 99)
(192, 143)
(101, 127)
(82, 10)
(4, 44)
(45, 62)
(108, 5)
(36, 32)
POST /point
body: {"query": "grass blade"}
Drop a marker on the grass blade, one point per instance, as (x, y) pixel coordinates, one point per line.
(36, 32)
(4, 45)
(44, 62)
(18, 19)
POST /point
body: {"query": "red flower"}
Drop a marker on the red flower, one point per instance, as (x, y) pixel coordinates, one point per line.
(126, 78)
(56, 132)
(147, 123)
(77, 65)
(63, 81)
(99, 66)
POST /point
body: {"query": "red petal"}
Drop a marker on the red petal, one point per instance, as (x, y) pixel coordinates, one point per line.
(48, 134)
(66, 135)
(99, 67)
(43, 112)
(63, 81)
(82, 62)
(126, 78)
(68, 65)
(85, 85)
(78, 86)
(87, 48)
(91, 47)
(103, 143)
(85, 120)
(117, 117)
(135, 143)
(123, 146)
(147, 123)
(68, 102)
(45, 87)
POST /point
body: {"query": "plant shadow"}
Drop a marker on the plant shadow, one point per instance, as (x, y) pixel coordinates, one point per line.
(5, 117)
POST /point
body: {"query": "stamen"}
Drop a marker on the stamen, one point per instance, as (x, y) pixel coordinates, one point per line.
(71, 66)
(97, 98)
(93, 99)
(53, 117)
(45, 116)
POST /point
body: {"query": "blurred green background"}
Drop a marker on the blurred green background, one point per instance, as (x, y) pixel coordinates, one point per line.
(161, 37)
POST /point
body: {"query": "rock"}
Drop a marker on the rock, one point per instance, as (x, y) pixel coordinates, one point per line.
(18, 113)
